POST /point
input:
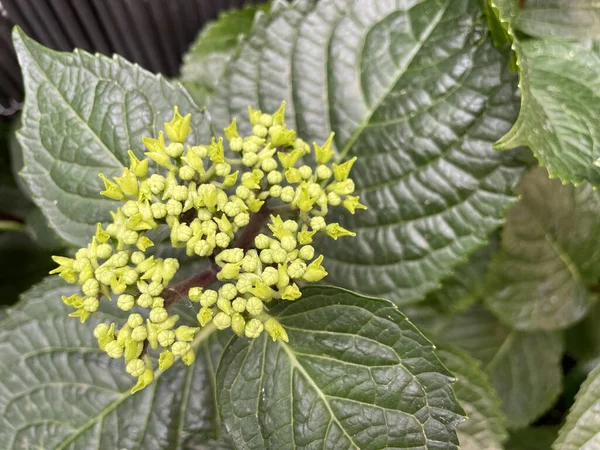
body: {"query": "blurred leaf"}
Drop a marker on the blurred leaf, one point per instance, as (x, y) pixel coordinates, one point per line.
(485, 426)
(549, 255)
(535, 438)
(560, 19)
(525, 367)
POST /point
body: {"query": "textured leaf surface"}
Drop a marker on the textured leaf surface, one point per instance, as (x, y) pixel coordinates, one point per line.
(525, 367)
(484, 428)
(206, 60)
(419, 93)
(355, 374)
(583, 340)
(560, 86)
(550, 254)
(81, 115)
(581, 430)
(59, 391)
(560, 19)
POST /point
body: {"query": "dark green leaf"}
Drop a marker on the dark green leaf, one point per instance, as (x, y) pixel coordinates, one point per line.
(355, 374)
(583, 340)
(550, 254)
(581, 429)
(538, 438)
(81, 115)
(465, 286)
(484, 428)
(419, 93)
(525, 368)
(206, 60)
(59, 391)
(560, 19)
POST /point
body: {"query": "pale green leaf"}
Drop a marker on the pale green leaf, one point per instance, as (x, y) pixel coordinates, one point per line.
(550, 255)
(58, 390)
(581, 430)
(485, 426)
(560, 89)
(355, 374)
(206, 60)
(419, 93)
(560, 19)
(525, 367)
(81, 115)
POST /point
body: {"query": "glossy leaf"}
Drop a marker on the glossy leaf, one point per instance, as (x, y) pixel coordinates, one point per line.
(560, 19)
(206, 60)
(419, 93)
(59, 390)
(82, 114)
(582, 427)
(525, 367)
(560, 89)
(485, 426)
(355, 374)
(550, 255)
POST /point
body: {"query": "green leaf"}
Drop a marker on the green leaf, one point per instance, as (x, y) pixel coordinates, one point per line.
(484, 428)
(525, 367)
(583, 340)
(81, 115)
(536, 438)
(206, 60)
(581, 429)
(419, 93)
(560, 19)
(560, 86)
(59, 390)
(461, 290)
(550, 255)
(355, 374)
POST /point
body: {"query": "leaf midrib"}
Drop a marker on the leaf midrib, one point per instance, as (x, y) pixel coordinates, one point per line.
(295, 364)
(68, 105)
(399, 73)
(202, 336)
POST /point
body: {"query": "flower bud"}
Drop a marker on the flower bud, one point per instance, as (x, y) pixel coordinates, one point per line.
(254, 306)
(145, 300)
(275, 330)
(136, 367)
(238, 324)
(165, 360)
(204, 316)
(139, 333)
(158, 315)
(185, 333)
(166, 338)
(114, 349)
(253, 328)
(239, 305)
(187, 173)
(91, 304)
(208, 298)
(222, 321)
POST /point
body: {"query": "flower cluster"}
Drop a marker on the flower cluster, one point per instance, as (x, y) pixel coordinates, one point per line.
(211, 211)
